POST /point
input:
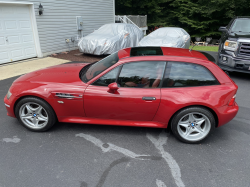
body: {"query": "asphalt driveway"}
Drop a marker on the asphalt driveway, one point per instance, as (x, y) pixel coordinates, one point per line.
(77, 155)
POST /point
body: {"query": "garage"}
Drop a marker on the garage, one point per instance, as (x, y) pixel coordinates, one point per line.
(40, 28)
(16, 33)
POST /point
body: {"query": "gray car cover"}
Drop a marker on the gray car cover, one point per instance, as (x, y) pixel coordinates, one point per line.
(110, 38)
(167, 37)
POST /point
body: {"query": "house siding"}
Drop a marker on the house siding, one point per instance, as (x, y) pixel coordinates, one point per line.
(58, 21)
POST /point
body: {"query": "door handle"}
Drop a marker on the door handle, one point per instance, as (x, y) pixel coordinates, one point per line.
(7, 39)
(148, 98)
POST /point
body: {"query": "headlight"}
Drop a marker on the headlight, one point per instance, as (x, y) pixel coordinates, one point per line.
(230, 45)
(9, 94)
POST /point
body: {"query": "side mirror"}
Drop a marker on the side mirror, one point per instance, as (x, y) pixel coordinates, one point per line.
(223, 29)
(113, 87)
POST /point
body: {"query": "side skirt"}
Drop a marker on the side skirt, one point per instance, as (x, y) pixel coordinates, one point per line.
(97, 121)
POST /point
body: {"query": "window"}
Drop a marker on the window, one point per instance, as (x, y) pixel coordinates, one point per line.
(108, 78)
(241, 25)
(142, 51)
(181, 74)
(142, 74)
(100, 66)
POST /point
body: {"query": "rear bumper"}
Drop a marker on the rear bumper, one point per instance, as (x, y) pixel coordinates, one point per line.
(9, 104)
(227, 113)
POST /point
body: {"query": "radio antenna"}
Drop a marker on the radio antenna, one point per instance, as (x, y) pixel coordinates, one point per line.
(192, 47)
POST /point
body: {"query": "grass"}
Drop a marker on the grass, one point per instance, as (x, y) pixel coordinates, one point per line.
(205, 48)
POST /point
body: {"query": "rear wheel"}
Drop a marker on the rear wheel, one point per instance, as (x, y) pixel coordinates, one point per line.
(192, 125)
(35, 114)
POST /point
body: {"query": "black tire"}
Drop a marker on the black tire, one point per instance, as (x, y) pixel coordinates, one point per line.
(178, 116)
(50, 114)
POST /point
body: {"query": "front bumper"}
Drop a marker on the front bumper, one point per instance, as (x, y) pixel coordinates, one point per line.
(227, 113)
(9, 104)
(233, 64)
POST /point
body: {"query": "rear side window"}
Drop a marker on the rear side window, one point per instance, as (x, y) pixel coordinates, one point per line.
(181, 74)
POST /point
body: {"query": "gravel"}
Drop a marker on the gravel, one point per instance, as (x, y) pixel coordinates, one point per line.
(76, 55)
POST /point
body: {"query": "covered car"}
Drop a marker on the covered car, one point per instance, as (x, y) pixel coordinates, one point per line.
(111, 38)
(167, 37)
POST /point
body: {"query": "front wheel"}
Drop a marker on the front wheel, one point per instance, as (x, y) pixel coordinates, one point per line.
(35, 114)
(192, 125)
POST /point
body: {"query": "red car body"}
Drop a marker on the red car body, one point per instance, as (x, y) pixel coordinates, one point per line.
(95, 105)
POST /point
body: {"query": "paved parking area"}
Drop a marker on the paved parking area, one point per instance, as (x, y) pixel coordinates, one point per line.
(76, 155)
(21, 67)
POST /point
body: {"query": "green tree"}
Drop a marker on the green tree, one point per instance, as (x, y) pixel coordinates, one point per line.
(154, 9)
(198, 17)
(203, 17)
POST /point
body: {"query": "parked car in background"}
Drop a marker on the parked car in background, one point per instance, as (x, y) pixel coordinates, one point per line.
(234, 49)
(110, 38)
(167, 37)
(143, 86)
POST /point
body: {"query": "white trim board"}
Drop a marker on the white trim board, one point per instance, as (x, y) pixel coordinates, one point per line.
(114, 10)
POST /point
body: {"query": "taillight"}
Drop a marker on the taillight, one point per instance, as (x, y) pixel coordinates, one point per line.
(232, 101)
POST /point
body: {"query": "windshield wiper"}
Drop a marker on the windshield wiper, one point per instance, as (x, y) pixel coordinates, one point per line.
(240, 31)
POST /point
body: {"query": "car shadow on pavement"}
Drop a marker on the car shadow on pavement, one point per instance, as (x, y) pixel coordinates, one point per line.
(217, 135)
(242, 76)
(109, 129)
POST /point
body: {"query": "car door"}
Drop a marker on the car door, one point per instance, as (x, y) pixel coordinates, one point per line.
(137, 98)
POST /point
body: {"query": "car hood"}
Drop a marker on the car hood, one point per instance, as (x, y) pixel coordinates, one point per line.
(237, 35)
(65, 73)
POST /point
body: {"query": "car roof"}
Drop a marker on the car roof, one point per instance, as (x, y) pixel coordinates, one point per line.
(159, 51)
(239, 17)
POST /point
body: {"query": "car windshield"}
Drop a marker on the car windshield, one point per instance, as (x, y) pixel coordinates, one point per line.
(241, 25)
(100, 66)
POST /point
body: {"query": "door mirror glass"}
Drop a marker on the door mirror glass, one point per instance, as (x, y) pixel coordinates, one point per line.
(222, 29)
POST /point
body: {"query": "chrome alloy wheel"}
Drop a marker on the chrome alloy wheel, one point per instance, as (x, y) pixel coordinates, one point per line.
(194, 126)
(33, 115)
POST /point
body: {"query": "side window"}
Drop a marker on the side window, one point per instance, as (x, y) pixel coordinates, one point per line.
(146, 74)
(181, 74)
(108, 78)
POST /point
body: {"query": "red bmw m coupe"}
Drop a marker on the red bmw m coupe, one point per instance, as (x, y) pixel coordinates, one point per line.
(142, 86)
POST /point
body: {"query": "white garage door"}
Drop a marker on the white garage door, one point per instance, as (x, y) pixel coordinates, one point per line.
(16, 34)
